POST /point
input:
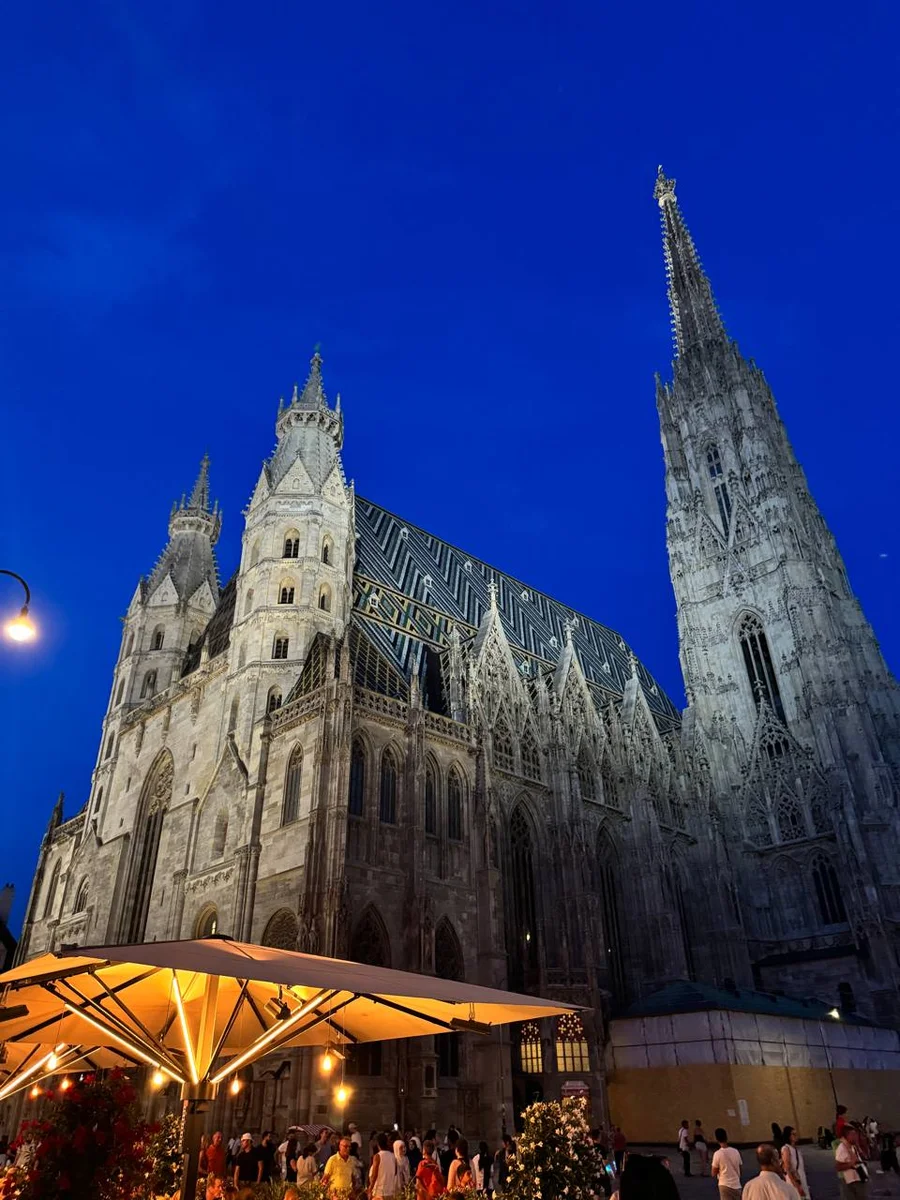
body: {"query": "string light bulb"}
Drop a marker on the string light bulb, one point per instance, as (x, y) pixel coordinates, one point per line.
(327, 1062)
(53, 1061)
(158, 1079)
(341, 1095)
(65, 1084)
(235, 1086)
(35, 1092)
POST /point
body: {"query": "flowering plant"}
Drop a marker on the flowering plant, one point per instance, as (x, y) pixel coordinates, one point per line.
(554, 1155)
(92, 1143)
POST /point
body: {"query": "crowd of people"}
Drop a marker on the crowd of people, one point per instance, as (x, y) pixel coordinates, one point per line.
(380, 1167)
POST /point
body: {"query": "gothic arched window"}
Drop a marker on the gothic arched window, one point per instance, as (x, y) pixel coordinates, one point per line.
(503, 746)
(81, 897)
(531, 1051)
(607, 887)
(370, 944)
(387, 790)
(789, 896)
(454, 806)
(531, 756)
(273, 701)
(325, 598)
(207, 923)
(719, 486)
(430, 798)
(522, 934)
(758, 663)
(233, 716)
(675, 893)
(282, 931)
(818, 808)
(291, 544)
(609, 783)
(828, 892)
(789, 818)
(159, 636)
(155, 799)
(448, 955)
(120, 691)
(571, 1044)
(326, 550)
(586, 774)
(279, 647)
(357, 799)
(291, 807)
(50, 894)
(286, 593)
(148, 687)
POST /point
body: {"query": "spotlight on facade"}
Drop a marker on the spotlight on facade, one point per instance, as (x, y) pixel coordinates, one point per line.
(234, 1087)
(277, 1009)
(835, 1012)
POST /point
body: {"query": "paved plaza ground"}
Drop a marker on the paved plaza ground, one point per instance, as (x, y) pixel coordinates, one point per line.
(820, 1172)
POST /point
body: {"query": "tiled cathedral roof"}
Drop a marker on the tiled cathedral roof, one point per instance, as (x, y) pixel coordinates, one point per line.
(412, 587)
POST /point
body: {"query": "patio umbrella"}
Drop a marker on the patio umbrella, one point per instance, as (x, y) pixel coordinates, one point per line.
(199, 1011)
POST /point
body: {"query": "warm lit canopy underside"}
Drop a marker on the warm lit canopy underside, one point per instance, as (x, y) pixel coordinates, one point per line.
(198, 1009)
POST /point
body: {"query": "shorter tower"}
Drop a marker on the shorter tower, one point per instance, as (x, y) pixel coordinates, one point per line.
(165, 619)
(297, 559)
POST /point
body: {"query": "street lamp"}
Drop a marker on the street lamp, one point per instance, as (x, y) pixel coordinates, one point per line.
(20, 628)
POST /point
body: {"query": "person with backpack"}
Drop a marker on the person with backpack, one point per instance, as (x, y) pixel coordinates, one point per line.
(429, 1177)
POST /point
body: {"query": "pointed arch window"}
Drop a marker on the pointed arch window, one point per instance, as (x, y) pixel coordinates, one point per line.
(290, 809)
(325, 598)
(719, 486)
(430, 799)
(387, 790)
(369, 944)
(148, 687)
(758, 664)
(789, 818)
(280, 647)
(50, 894)
(607, 888)
(757, 822)
(531, 756)
(610, 784)
(503, 746)
(675, 893)
(522, 931)
(286, 594)
(81, 897)
(454, 806)
(273, 701)
(326, 550)
(571, 1045)
(291, 544)
(159, 636)
(120, 691)
(129, 645)
(357, 798)
(586, 780)
(531, 1051)
(448, 955)
(207, 923)
(155, 800)
(828, 892)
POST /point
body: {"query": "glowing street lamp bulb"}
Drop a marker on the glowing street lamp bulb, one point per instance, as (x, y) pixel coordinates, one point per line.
(21, 628)
(835, 1012)
(342, 1095)
(158, 1078)
(234, 1087)
(327, 1062)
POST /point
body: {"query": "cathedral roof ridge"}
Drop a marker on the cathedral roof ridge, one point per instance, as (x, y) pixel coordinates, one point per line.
(436, 573)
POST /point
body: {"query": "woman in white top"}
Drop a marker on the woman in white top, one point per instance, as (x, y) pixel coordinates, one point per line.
(793, 1164)
(383, 1174)
(402, 1163)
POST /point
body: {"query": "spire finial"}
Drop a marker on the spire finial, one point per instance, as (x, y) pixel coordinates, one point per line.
(200, 492)
(695, 318)
(492, 593)
(569, 626)
(313, 394)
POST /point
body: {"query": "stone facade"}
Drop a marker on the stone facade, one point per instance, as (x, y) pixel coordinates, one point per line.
(366, 744)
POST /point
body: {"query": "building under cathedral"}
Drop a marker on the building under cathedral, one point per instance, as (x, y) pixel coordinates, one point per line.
(369, 744)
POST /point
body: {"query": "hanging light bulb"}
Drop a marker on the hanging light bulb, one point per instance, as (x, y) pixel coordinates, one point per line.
(65, 1084)
(53, 1061)
(35, 1092)
(327, 1061)
(158, 1079)
(341, 1096)
(235, 1086)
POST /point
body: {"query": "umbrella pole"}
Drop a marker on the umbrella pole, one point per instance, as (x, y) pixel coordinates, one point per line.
(196, 1100)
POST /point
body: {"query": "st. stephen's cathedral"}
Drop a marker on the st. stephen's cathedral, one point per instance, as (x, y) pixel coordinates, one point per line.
(368, 744)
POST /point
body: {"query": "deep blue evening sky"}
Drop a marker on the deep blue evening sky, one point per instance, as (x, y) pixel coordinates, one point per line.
(455, 201)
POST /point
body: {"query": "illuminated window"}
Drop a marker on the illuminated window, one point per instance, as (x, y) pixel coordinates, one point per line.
(531, 1052)
(571, 1045)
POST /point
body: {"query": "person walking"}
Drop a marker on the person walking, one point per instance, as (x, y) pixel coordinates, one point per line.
(429, 1177)
(481, 1165)
(768, 1184)
(216, 1154)
(700, 1145)
(619, 1145)
(500, 1173)
(726, 1168)
(383, 1173)
(851, 1170)
(460, 1176)
(684, 1146)
(792, 1162)
(338, 1173)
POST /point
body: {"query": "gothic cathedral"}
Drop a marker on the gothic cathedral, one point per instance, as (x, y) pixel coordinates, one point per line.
(370, 745)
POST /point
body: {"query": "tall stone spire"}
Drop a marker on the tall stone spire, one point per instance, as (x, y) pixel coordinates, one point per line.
(695, 318)
(194, 527)
(200, 494)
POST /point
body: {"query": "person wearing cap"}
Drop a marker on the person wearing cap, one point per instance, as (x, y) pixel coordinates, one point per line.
(355, 1136)
(248, 1166)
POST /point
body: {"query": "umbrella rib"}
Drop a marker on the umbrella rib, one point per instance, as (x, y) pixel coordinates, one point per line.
(155, 1051)
(290, 1034)
(256, 1012)
(229, 1024)
(128, 1013)
(26, 1034)
(410, 1012)
(266, 1040)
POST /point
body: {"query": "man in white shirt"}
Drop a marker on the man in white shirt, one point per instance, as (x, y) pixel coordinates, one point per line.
(684, 1145)
(768, 1185)
(850, 1167)
(726, 1168)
